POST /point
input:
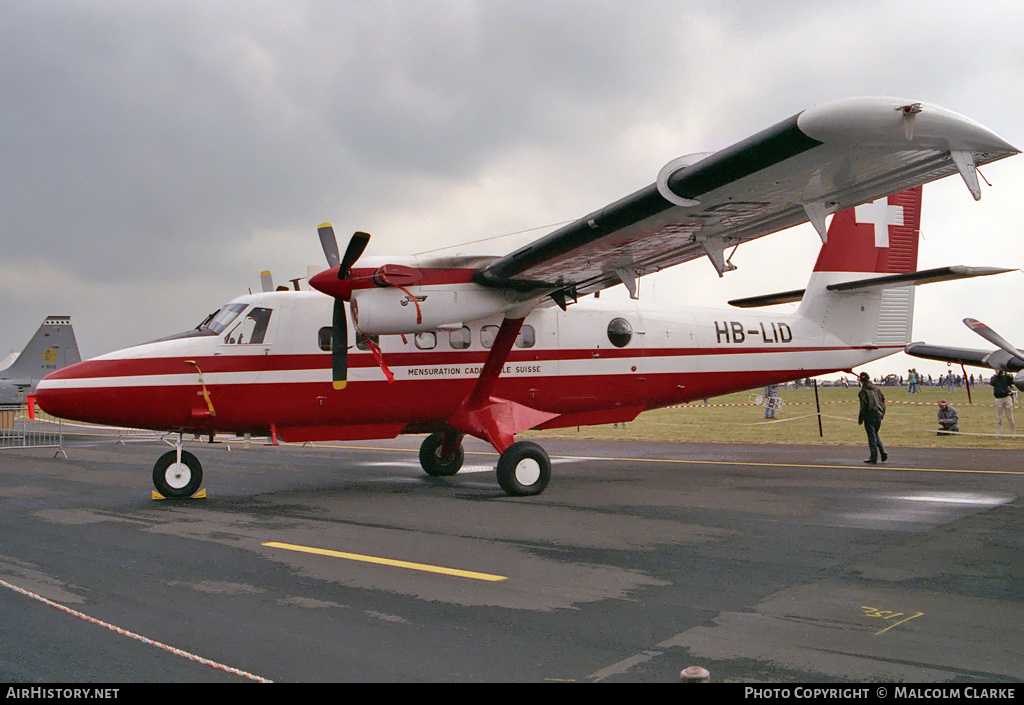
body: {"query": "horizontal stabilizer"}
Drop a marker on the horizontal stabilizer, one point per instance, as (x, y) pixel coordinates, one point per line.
(783, 297)
(927, 276)
(994, 359)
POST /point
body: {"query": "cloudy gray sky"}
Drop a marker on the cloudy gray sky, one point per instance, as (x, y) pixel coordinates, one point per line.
(156, 156)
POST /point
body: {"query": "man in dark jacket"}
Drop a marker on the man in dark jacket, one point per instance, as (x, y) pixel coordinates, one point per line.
(1002, 389)
(872, 409)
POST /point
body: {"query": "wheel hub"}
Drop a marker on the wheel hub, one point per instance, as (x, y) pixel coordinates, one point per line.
(527, 471)
(177, 475)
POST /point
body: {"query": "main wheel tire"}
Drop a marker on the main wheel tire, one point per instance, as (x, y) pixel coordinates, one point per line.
(433, 464)
(174, 479)
(524, 469)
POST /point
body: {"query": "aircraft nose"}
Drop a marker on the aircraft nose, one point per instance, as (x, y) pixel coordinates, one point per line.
(50, 392)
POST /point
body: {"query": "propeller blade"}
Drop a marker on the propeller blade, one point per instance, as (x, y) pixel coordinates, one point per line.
(991, 336)
(354, 250)
(339, 346)
(266, 281)
(329, 243)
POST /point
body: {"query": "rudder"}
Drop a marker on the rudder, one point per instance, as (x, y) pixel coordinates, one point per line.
(877, 238)
(881, 236)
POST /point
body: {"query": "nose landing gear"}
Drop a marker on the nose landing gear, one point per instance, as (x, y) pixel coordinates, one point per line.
(177, 473)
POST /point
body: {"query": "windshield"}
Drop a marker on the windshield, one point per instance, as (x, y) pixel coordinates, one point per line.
(211, 325)
(221, 318)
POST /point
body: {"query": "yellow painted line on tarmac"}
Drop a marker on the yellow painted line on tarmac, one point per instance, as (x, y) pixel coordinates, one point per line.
(863, 466)
(711, 461)
(388, 562)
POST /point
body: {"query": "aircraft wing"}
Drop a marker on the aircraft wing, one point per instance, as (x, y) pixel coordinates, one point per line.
(819, 161)
(994, 359)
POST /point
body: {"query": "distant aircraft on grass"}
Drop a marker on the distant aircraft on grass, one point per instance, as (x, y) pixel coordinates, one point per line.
(1006, 359)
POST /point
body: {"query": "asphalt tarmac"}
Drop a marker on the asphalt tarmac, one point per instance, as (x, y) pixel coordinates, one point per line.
(348, 563)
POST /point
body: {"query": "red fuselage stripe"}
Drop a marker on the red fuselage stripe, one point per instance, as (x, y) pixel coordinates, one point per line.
(317, 361)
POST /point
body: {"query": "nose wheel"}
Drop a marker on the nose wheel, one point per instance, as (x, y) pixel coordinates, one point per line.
(174, 477)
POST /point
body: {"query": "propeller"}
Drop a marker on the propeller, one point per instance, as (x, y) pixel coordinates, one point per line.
(341, 289)
(991, 336)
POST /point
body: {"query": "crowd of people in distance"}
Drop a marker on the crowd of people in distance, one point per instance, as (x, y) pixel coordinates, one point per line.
(872, 410)
(872, 402)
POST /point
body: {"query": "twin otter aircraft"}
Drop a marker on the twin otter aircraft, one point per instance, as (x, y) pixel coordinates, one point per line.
(489, 346)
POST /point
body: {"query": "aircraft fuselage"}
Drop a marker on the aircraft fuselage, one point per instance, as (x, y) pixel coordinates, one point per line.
(594, 363)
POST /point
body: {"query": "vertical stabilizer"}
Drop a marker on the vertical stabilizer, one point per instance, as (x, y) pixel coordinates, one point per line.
(52, 347)
(880, 237)
(877, 238)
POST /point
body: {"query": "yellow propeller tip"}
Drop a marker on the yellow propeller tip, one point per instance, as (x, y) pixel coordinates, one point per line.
(323, 225)
(340, 385)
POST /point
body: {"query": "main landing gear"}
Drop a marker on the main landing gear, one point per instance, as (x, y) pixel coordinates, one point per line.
(177, 473)
(435, 461)
(524, 468)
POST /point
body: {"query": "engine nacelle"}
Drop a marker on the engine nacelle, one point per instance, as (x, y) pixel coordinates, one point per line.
(390, 310)
(1018, 381)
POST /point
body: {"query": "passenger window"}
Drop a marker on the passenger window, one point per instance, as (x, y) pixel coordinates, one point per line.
(487, 335)
(426, 341)
(324, 336)
(460, 339)
(620, 332)
(361, 341)
(527, 338)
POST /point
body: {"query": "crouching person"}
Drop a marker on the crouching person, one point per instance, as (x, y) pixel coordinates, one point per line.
(949, 420)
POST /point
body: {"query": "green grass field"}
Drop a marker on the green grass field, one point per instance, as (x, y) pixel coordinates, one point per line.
(906, 424)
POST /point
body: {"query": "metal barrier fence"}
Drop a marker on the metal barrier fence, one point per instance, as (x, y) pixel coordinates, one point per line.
(17, 430)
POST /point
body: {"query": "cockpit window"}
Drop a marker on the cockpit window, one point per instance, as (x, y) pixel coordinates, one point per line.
(214, 324)
(252, 329)
(221, 318)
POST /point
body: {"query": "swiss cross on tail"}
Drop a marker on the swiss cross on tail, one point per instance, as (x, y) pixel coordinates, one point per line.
(880, 214)
(880, 236)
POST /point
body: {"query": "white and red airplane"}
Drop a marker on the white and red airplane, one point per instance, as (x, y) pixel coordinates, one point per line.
(488, 346)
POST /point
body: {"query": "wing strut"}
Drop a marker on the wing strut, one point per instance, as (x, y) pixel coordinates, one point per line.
(493, 419)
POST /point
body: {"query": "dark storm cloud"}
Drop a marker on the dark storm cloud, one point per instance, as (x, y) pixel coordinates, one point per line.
(140, 125)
